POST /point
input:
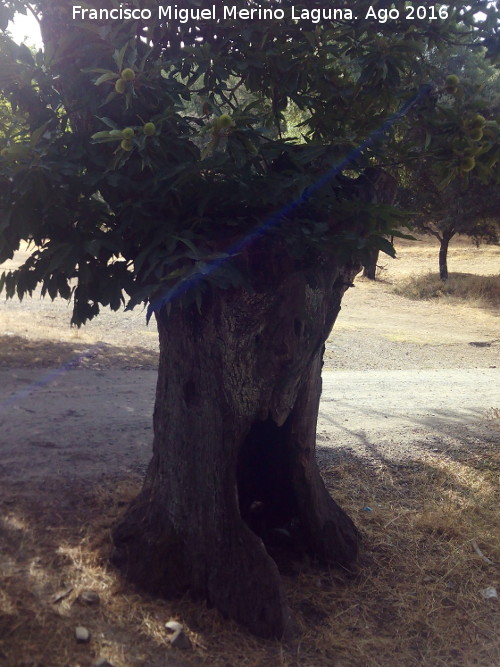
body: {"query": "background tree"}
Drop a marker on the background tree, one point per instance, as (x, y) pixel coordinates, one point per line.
(453, 185)
(241, 242)
(469, 209)
(445, 179)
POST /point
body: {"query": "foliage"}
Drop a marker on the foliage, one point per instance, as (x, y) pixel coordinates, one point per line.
(169, 213)
(454, 188)
(12, 127)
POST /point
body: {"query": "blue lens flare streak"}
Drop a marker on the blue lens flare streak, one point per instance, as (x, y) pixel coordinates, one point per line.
(48, 377)
(170, 295)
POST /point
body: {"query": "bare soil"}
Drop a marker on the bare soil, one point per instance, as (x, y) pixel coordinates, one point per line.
(403, 381)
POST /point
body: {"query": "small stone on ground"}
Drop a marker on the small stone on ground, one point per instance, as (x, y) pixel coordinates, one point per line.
(89, 597)
(82, 635)
(177, 636)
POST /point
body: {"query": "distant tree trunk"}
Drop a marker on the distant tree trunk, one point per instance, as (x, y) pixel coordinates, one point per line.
(376, 186)
(233, 471)
(370, 268)
(443, 259)
(444, 242)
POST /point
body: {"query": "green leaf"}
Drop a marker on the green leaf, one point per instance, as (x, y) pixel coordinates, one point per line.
(37, 134)
(25, 55)
(109, 122)
(5, 17)
(447, 179)
(382, 244)
(397, 233)
(107, 76)
(187, 243)
(104, 134)
(119, 55)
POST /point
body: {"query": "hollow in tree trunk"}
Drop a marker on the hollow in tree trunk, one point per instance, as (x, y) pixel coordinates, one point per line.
(233, 471)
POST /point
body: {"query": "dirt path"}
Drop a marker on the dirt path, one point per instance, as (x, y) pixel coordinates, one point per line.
(376, 329)
(94, 424)
(79, 402)
(398, 415)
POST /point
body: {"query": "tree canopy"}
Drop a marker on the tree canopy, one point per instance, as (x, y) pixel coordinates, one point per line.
(465, 198)
(121, 187)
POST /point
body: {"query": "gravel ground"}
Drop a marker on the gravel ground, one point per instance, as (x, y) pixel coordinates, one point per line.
(96, 424)
(396, 373)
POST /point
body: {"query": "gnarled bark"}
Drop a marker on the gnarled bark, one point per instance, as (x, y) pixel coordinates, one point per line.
(233, 471)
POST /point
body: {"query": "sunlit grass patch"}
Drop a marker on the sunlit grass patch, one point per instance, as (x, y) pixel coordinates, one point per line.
(475, 289)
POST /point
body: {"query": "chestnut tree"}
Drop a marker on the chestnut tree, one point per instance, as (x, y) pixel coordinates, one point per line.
(155, 170)
(451, 175)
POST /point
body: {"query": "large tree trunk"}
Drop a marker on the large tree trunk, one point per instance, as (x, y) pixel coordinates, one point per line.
(233, 483)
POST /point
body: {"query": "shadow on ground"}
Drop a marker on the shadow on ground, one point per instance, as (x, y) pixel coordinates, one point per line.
(414, 598)
(20, 352)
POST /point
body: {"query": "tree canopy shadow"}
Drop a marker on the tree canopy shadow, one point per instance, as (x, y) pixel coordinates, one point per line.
(418, 518)
(21, 352)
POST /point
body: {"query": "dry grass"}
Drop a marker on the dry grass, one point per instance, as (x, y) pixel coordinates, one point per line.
(475, 289)
(418, 257)
(414, 598)
(494, 415)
